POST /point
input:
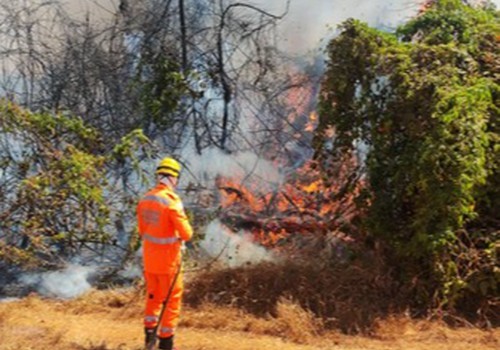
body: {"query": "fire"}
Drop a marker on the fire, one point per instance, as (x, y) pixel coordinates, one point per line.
(310, 206)
(299, 96)
(297, 121)
(311, 123)
(313, 205)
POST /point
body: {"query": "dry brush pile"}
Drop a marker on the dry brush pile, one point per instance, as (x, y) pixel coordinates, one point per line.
(346, 297)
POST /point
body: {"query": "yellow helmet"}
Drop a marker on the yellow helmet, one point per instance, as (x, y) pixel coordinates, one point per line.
(168, 166)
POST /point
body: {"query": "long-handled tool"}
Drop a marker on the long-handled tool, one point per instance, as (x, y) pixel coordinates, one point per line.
(152, 341)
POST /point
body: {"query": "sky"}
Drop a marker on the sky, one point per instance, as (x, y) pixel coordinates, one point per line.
(308, 23)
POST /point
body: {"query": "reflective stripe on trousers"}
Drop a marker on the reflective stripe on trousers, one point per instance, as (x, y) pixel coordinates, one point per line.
(166, 330)
(151, 319)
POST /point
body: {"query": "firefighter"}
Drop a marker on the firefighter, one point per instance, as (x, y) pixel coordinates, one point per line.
(163, 227)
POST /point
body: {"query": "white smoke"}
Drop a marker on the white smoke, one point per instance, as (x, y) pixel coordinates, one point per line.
(310, 24)
(232, 249)
(66, 284)
(134, 269)
(8, 299)
(307, 26)
(244, 166)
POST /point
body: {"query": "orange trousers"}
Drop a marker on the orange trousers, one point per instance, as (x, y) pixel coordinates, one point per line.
(157, 287)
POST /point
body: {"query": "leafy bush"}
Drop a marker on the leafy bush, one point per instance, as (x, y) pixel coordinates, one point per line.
(56, 195)
(422, 104)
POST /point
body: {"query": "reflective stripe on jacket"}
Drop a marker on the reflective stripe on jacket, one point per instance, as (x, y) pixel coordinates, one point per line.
(163, 224)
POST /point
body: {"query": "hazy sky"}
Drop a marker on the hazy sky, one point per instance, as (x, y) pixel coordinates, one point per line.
(308, 21)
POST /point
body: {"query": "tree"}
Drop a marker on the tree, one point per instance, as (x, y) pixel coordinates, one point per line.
(422, 103)
(176, 71)
(57, 191)
(181, 71)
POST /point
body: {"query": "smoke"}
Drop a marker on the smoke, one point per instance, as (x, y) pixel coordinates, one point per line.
(91, 9)
(307, 24)
(310, 24)
(245, 166)
(8, 300)
(66, 284)
(233, 249)
(133, 269)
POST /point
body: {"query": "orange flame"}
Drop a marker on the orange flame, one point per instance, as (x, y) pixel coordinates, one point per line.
(308, 204)
(312, 122)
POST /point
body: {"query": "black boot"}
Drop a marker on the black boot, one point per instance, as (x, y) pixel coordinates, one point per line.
(167, 343)
(149, 337)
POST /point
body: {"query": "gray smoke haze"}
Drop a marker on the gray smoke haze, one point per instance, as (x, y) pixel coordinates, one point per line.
(245, 166)
(66, 284)
(233, 249)
(8, 299)
(309, 23)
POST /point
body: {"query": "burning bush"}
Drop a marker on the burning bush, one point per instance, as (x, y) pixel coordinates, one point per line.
(312, 212)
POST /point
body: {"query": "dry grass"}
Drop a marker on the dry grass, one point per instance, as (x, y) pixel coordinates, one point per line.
(400, 328)
(288, 307)
(126, 303)
(111, 320)
(292, 321)
(348, 298)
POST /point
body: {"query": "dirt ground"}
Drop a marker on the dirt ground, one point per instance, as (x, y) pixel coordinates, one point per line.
(112, 320)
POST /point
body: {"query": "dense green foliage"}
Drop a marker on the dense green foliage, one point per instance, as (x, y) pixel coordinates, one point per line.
(423, 105)
(56, 191)
(162, 86)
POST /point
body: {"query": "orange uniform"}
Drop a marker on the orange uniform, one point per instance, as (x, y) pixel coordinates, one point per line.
(163, 225)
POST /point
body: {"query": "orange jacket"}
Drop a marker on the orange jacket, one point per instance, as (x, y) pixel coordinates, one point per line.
(163, 225)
